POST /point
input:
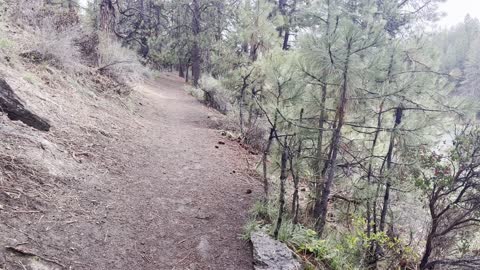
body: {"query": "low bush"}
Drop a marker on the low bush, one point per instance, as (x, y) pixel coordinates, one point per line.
(215, 95)
(33, 13)
(25, 12)
(88, 46)
(119, 62)
(55, 31)
(57, 45)
(256, 136)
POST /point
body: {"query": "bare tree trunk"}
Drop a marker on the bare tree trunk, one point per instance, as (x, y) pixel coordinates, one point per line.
(251, 112)
(241, 104)
(319, 158)
(220, 6)
(371, 258)
(283, 11)
(295, 175)
(287, 27)
(196, 58)
(266, 152)
(107, 16)
(181, 71)
(296, 180)
(253, 38)
(387, 163)
(241, 101)
(321, 221)
(283, 178)
(386, 199)
(286, 38)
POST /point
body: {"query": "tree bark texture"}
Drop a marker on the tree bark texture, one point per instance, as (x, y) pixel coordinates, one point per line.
(16, 111)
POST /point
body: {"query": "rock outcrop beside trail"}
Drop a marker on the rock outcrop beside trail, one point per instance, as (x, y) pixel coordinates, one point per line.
(270, 254)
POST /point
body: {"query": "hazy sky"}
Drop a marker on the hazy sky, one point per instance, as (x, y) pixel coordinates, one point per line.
(457, 10)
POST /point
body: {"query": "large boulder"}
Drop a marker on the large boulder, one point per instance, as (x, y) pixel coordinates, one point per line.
(269, 254)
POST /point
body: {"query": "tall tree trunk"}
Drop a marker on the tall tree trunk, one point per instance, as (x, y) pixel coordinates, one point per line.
(281, 196)
(282, 7)
(295, 175)
(386, 198)
(254, 43)
(387, 163)
(287, 27)
(319, 161)
(196, 57)
(220, 6)
(107, 16)
(335, 145)
(181, 71)
(266, 152)
(241, 101)
(286, 38)
(251, 110)
(322, 162)
(241, 106)
(371, 258)
(370, 166)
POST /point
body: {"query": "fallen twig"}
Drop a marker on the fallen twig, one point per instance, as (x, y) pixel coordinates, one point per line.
(112, 64)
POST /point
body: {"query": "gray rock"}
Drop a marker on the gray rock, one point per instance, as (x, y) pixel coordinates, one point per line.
(269, 254)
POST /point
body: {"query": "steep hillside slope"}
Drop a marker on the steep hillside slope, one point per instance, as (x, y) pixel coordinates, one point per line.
(49, 177)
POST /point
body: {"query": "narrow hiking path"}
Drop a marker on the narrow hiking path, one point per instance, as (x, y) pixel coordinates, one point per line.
(156, 192)
(184, 201)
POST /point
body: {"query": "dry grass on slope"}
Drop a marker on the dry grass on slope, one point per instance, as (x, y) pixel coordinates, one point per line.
(40, 172)
(83, 107)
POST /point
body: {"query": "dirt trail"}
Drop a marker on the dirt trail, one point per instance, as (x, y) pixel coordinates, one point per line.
(179, 202)
(184, 202)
